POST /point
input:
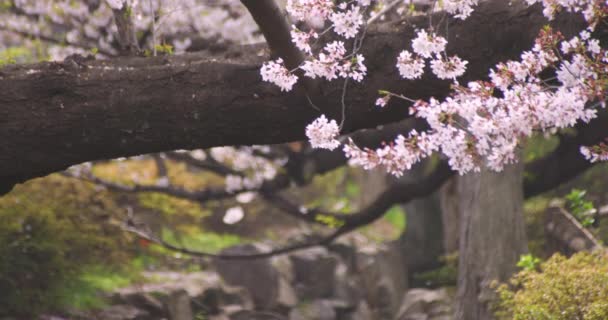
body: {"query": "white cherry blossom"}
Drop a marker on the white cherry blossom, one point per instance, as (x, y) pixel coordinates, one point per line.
(410, 67)
(426, 44)
(275, 72)
(323, 133)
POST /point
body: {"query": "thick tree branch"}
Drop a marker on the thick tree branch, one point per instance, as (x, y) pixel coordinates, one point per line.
(55, 115)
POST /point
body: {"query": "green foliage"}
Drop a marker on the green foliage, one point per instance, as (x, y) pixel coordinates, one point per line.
(582, 209)
(203, 241)
(82, 292)
(329, 221)
(534, 215)
(538, 146)
(5, 5)
(561, 289)
(164, 48)
(14, 55)
(52, 230)
(171, 206)
(128, 12)
(396, 217)
(528, 262)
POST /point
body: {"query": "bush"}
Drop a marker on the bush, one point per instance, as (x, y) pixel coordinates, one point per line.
(562, 289)
(52, 231)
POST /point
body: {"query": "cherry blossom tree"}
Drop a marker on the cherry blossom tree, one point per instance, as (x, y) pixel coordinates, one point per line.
(368, 83)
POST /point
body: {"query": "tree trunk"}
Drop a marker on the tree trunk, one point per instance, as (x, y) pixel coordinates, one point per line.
(492, 237)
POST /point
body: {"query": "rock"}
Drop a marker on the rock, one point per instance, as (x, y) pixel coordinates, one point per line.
(213, 300)
(161, 284)
(346, 286)
(229, 312)
(314, 273)
(284, 266)
(287, 295)
(141, 300)
(346, 252)
(179, 306)
(258, 276)
(432, 303)
(440, 308)
(122, 312)
(383, 278)
(316, 310)
(416, 316)
(256, 315)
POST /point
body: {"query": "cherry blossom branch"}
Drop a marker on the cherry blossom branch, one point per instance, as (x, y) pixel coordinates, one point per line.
(178, 192)
(276, 30)
(208, 164)
(310, 215)
(400, 193)
(220, 98)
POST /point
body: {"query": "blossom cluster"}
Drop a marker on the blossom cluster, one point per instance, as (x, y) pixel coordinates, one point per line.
(595, 153)
(347, 23)
(411, 66)
(333, 60)
(302, 39)
(322, 133)
(275, 72)
(480, 123)
(251, 168)
(593, 10)
(461, 9)
(475, 127)
(332, 64)
(305, 9)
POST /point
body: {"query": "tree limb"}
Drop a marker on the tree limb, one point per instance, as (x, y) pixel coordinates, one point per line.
(55, 115)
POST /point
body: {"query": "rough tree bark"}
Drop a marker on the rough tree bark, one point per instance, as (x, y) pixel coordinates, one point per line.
(492, 237)
(54, 115)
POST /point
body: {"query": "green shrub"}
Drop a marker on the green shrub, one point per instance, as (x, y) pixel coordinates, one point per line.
(564, 289)
(581, 208)
(52, 231)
